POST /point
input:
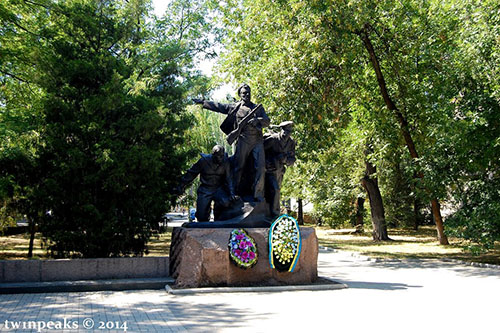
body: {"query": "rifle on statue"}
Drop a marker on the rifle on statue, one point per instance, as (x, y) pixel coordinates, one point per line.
(231, 137)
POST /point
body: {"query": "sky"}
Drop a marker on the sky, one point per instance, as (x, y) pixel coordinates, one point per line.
(205, 66)
(160, 6)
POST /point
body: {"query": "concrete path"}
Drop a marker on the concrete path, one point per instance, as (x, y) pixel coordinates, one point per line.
(387, 296)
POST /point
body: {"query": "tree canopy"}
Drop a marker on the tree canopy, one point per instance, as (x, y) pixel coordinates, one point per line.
(93, 118)
(402, 95)
(414, 82)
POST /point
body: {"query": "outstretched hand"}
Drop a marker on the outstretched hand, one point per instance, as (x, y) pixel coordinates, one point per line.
(198, 100)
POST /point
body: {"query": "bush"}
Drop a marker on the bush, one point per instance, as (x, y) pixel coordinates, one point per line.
(478, 218)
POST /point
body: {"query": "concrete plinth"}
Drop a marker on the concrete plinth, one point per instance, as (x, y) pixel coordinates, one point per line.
(200, 258)
(82, 269)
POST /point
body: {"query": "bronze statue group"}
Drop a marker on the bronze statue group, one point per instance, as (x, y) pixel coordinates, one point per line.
(254, 173)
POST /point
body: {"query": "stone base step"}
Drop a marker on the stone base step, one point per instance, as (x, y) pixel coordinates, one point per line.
(84, 285)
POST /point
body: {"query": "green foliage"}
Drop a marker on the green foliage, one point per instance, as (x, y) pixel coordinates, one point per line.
(19, 110)
(440, 59)
(92, 96)
(475, 132)
(398, 190)
(107, 89)
(478, 219)
(206, 134)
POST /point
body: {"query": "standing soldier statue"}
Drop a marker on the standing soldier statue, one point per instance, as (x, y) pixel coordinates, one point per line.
(280, 153)
(244, 122)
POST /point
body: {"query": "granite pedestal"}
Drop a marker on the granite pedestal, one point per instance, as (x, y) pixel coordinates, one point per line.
(200, 258)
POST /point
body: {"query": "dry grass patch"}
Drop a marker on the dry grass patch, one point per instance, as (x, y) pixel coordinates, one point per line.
(15, 247)
(159, 244)
(405, 243)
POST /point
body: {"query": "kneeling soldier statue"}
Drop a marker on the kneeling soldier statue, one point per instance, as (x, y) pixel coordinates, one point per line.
(215, 183)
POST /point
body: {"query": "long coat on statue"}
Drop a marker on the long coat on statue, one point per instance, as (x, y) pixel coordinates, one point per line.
(249, 147)
(280, 153)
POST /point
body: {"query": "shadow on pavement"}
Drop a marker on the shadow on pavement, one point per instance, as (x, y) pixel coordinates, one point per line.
(200, 317)
(141, 312)
(458, 267)
(377, 285)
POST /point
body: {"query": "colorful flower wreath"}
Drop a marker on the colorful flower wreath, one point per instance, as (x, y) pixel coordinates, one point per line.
(242, 249)
(284, 244)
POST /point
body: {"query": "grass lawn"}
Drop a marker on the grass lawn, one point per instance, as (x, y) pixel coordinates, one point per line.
(406, 243)
(16, 247)
(159, 245)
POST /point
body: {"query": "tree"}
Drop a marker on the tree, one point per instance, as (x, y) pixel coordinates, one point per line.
(360, 214)
(370, 184)
(321, 62)
(19, 112)
(112, 90)
(475, 156)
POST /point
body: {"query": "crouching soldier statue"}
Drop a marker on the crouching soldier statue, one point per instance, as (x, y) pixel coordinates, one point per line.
(280, 153)
(216, 183)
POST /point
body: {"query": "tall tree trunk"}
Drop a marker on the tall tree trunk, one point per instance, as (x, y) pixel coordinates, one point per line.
(288, 207)
(32, 230)
(376, 204)
(416, 213)
(416, 206)
(443, 240)
(300, 212)
(360, 212)
(436, 212)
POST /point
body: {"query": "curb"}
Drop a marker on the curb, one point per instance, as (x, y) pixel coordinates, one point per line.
(83, 285)
(472, 263)
(311, 287)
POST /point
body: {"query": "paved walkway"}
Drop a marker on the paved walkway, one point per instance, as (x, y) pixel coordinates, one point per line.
(387, 296)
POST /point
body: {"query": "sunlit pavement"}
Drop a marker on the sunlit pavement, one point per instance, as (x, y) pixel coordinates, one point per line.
(386, 296)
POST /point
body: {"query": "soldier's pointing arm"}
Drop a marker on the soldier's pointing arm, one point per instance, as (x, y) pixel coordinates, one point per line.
(217, 107)
(214, 106)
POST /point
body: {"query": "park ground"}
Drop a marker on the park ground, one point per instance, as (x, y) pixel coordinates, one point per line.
(390, 295)
(411, 289)
(405, 244)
